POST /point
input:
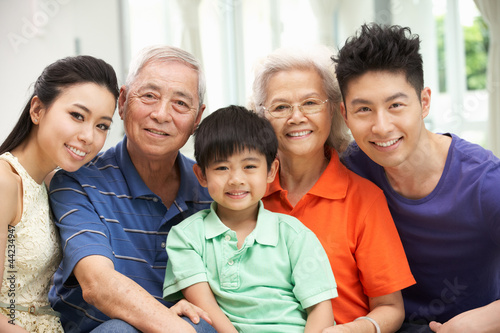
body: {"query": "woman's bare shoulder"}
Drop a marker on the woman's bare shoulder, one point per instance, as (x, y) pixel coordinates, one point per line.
(10, 187)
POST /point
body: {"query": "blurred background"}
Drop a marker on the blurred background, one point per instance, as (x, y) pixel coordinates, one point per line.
(229, 36)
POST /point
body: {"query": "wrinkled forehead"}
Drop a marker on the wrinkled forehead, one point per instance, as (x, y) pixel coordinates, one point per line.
(167, 75)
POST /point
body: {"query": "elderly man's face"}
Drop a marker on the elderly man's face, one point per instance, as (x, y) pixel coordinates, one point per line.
(160, 109)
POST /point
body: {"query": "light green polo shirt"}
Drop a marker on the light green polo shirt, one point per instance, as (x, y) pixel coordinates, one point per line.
(280, 270)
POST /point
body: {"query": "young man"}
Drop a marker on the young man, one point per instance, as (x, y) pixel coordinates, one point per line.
(247, 267)
(443, 192)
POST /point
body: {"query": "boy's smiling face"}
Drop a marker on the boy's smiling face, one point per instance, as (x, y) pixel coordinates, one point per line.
(238, 182)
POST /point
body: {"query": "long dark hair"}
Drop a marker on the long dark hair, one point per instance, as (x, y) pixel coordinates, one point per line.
(54, 78)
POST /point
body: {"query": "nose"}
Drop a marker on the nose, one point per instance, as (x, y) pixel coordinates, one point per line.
(86, 134)
(297, 116)
(382, 123)
(236, 177)
(162, 112)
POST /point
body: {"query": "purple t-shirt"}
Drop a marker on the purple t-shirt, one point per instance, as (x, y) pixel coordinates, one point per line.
(452, 236)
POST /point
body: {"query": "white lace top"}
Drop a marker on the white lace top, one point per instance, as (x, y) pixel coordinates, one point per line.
(32, 255)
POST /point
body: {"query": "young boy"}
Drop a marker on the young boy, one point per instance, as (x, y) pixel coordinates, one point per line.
(252, 270)
(443, 192)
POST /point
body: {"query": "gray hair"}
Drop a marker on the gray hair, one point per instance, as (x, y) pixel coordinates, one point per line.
(166, 53)
(317, 58)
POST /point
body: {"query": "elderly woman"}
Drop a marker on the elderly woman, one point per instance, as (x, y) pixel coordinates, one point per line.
(296, 90)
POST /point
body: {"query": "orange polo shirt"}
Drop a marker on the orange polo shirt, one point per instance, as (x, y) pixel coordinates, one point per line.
(350, 217)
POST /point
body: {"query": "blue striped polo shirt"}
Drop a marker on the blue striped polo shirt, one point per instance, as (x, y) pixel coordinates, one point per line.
(105, 209)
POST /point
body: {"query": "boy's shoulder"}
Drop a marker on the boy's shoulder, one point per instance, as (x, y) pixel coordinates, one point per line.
(193, 221)
(286, 221)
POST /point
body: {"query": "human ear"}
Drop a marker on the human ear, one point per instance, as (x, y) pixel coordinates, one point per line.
(271, 174)
(425, 101)
(37, 109)
(343, 112)
(198, 117)
(198, 172)
(121, 100)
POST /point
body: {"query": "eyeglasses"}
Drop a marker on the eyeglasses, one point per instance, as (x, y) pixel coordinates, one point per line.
(284, 110)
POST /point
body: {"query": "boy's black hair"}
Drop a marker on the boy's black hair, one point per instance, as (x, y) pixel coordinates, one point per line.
(230, 130)
(380, 48)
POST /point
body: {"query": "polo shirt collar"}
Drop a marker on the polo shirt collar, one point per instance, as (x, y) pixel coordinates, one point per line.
(137, 186)
(213, 225)
(332, 184)
(266, 231)
(189, 189)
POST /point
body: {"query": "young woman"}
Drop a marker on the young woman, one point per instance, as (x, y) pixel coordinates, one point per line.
(64, 124)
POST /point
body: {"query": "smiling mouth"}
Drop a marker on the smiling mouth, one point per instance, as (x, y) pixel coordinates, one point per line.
(76, 151)
(387, 143)
(237, 193)
(156, 132)
(297, 134)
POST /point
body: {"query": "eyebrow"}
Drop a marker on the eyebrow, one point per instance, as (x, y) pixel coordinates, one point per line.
(154, 86)
(246, 159)
(251, 159)
(149, 85)
(87, 110)
(183, 94)
(303, 98)
(388, 99)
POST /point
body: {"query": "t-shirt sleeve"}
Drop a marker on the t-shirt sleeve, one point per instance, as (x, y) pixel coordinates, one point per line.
(81, 229)
(490, 199)
(185, 266)
(311, 271)
(383, 267)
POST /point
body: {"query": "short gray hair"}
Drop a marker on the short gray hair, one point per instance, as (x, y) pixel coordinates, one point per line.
(315, 57)
(166, 53)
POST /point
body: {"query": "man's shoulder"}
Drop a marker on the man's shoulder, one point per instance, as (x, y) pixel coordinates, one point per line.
(473, 153)
(355, 159)
(99, 169)
(191, 190)
(186, 165)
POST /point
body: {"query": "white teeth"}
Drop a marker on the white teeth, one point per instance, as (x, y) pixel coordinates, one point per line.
(386, 144)
(156, 132)
(237, 193)
(299, 133)
(77, 151)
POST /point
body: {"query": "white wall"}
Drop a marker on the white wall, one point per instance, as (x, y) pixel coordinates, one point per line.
(35, 33)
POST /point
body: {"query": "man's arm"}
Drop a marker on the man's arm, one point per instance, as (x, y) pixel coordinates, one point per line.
(119, 297)
(482, 320)
(387, 311)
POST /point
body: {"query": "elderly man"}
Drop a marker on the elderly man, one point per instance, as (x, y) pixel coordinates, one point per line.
(114, 214)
